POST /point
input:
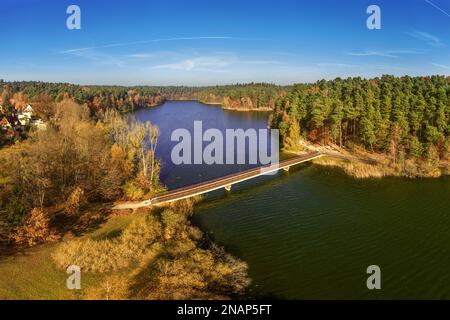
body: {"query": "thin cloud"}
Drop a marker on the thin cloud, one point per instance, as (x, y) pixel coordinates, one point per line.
(371, 53)
(197, 64)
(125, 44)
(438, 8)
(443, 66)
(394, 53)
(260, 62)
(153, 55)
(427, 37)
(99, 57)
(338, 65)
(407, 51)
(211, 63)
(388, 67)
(141, 55)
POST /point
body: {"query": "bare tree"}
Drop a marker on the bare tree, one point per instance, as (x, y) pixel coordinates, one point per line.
(144, 139)
(153, 133)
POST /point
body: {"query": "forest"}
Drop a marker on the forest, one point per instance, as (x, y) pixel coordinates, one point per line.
(251, 96)
(44, 96)
(401, 117)
(126, 99)
(56, 190)
(56, 184)
(75, 161)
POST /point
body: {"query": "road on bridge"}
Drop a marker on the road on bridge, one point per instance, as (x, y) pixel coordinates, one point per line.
(219, 183)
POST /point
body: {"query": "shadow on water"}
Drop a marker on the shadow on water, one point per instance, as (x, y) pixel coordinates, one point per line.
(258, 184)
(311, 233)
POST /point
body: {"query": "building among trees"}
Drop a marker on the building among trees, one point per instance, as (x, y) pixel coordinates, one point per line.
(26, 115)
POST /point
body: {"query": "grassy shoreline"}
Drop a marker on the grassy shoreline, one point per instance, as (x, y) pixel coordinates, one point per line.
(197, 263)
(31, 273)
(248, 109)
(379, 166)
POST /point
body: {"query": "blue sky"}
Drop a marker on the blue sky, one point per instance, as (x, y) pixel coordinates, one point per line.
(211, 42)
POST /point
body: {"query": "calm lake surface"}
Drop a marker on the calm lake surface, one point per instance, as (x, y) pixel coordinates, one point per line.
(174, 115)
(311, 233)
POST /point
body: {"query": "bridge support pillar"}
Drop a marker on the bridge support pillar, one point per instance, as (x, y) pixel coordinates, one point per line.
(228, 188)
(286, 169)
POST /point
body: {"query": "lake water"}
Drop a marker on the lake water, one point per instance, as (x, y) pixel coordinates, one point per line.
(174, 115)
(311, 233)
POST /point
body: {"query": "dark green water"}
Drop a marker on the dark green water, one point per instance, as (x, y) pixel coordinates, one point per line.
(312, 233)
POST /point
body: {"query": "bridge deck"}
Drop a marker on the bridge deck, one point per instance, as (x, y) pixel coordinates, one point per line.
(219, 183)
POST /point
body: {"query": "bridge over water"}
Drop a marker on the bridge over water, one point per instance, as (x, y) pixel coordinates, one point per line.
(219, 183)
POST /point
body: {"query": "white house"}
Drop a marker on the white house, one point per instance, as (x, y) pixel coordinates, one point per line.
(25, 115)
(28, 110)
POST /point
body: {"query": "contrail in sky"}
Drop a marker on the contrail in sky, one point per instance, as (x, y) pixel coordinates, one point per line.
(441, 10)
(123, 44)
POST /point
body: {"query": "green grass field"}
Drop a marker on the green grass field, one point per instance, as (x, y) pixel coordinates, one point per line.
(33, 275)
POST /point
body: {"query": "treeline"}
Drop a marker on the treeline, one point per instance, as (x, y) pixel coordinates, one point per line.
(252, 96)
(43, 96)
(407, 116)
(59, 184)
(76, 161)
(126, 99)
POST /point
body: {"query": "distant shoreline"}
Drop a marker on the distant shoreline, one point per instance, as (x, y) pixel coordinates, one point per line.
(265, 109)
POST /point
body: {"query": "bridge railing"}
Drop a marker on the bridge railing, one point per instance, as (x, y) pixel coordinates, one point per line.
(235, 177)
